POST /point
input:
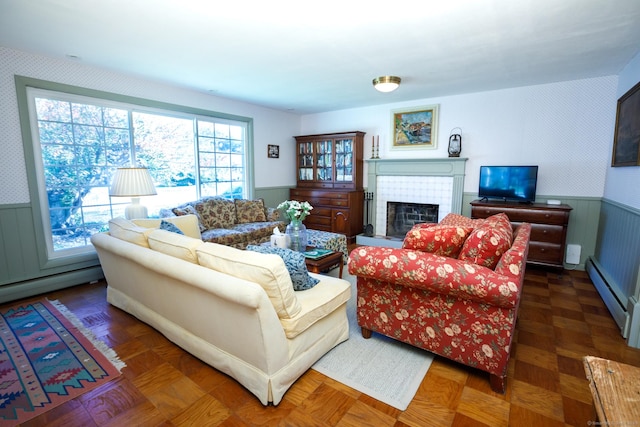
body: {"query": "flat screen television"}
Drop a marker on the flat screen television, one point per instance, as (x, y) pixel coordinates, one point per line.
(513, 183)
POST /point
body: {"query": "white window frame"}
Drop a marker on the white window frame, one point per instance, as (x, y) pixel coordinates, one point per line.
(28, 89)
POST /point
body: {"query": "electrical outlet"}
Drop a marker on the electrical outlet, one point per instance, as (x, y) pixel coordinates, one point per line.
(573, 254)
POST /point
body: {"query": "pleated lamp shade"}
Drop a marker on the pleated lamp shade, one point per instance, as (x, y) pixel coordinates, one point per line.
(134, 183)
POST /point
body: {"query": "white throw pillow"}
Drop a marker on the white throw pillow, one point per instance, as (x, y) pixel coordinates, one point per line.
(267, 270)
(176, 245)
(126, 230)
(188, 224)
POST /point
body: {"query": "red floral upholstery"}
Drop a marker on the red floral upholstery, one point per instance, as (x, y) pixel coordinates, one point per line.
(488, 241)
(454, 308)
(445, 240)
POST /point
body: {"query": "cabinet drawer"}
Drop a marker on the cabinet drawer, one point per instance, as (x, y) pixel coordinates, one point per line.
(320, 211)
(545, 252)
(522, 215)
(329, 195)
(541, 216)
(547, 233)
(327, 202)
(309, 194)
(336, 202)
(312, 221)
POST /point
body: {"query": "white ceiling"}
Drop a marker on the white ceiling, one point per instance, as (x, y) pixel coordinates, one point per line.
(320, 56)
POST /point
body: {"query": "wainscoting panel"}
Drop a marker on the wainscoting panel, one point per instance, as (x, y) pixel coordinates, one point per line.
(618, 250)
(272, 196)
(18, 254)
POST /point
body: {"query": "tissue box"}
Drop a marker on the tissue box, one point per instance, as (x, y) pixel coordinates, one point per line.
(280, 240)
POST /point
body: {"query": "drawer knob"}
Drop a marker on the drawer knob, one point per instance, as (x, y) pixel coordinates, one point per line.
(547, 216)
(545, 231)
(542, 250)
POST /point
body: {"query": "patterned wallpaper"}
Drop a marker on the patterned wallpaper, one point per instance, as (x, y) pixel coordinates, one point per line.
(14, 188)
(269, 126)
(566, 128)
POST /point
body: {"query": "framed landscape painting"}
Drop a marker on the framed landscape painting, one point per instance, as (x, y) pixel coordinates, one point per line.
(415, 127)
(626, 140)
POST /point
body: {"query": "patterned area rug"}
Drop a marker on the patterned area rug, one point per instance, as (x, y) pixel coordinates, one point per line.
(47, 358)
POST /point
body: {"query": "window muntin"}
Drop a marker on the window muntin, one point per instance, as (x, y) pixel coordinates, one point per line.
(79, 142)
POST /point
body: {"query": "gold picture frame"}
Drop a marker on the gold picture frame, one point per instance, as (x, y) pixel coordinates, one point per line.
(415, 128)
(626, 140)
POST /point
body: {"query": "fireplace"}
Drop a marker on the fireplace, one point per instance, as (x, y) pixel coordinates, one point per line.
(426, 181)
(402, 216)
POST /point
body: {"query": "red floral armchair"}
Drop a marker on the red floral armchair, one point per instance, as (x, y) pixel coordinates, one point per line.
(453, 289)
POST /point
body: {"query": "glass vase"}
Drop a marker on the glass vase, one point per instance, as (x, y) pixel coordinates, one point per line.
(297, 235)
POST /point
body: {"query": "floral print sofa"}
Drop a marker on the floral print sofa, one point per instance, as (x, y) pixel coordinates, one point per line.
(231, 222)
(453, 289)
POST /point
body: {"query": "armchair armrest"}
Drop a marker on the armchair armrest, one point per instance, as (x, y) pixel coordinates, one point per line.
(442, 275)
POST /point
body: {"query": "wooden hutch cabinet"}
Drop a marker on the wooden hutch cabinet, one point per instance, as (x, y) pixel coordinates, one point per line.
(329, 176)
(548, 227)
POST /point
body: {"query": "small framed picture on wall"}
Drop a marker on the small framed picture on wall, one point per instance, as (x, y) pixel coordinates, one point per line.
(273, 151)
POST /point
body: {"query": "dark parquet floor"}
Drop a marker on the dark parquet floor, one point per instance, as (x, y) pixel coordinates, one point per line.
(562, 319)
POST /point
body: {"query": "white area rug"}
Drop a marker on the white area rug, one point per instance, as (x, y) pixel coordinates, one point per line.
(385, 369)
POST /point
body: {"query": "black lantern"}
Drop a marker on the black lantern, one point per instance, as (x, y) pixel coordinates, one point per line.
(455, 143)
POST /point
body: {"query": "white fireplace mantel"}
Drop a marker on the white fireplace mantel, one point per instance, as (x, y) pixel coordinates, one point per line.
(453, 167)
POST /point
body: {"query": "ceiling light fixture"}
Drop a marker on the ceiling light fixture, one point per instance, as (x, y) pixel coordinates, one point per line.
(386, 83)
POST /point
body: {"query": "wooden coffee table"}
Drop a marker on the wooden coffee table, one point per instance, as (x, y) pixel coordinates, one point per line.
(325, 263)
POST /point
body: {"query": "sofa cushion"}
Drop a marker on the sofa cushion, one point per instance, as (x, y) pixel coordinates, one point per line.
(295, 263)
(487, 242)
(460, 220)
(317, 303)
(188, 224)
(250, 211)
(127, 230)
(267, 270)
(174, 244)
(226, 236)
(445, 240)
(502, 222)
(189, 210)
(216, 212)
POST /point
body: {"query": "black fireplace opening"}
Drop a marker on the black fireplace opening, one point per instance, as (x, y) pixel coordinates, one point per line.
(401, 217)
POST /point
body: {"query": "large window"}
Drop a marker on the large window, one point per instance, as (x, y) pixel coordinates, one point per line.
(79, 141)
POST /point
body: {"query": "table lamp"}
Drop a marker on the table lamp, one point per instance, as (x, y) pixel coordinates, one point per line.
(133, 182)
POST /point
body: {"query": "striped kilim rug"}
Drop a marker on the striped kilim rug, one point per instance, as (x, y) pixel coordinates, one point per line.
(47, 358)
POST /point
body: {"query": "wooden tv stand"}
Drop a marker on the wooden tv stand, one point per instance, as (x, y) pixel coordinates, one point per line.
(548, 227)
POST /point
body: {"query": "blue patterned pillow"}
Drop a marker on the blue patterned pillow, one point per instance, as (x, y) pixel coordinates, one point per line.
(295, 263)
(166, 225)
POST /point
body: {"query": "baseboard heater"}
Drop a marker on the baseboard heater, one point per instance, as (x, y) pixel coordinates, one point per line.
(31, 287)
(617, 309)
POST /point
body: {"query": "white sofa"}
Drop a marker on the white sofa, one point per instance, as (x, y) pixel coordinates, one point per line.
(235, 310)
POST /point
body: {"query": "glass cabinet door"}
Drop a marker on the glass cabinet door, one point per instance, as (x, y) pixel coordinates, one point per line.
(324, 165)
(344, 160)
(305, 161)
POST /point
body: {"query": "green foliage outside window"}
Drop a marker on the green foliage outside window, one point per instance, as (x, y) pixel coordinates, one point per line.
(82, 144)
